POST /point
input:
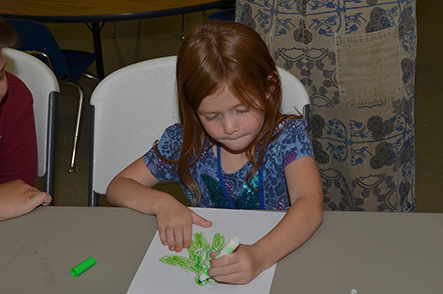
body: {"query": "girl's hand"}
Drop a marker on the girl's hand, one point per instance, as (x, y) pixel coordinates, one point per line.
(18, 198)
(132, 188)
(174, 224)
(240, 267)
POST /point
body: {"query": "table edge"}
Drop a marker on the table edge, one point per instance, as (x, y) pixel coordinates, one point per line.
(124, 16)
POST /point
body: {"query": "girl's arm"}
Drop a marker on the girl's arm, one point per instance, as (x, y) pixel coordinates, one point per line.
(297, 226)
(132, 188)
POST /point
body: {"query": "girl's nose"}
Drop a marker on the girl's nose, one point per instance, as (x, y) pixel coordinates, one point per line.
(230, 126)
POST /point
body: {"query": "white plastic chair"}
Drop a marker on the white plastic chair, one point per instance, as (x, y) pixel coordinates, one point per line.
(44, 87)
(133, 106)
(295, 98)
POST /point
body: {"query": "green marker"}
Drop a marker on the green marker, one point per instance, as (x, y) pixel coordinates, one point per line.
(227, 249)
(80, 268)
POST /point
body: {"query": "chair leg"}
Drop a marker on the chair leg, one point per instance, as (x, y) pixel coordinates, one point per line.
(114, 32)
(183, 26)
(81, 95)
(91, 77)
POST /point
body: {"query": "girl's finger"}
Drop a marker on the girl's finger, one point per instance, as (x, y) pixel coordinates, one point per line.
(162, 235)
(200, 221)
(187, 235)
(170, 238)
(178, 234)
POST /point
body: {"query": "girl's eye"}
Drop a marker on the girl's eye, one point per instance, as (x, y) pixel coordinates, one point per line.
(243, 110)
(212, 117)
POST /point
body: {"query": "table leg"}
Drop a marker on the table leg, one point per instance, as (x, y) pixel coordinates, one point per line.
(98, 50)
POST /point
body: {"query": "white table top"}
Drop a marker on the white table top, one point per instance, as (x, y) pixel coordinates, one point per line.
(370, 252)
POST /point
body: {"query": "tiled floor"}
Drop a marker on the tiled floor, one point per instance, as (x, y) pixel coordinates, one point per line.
(140, 40)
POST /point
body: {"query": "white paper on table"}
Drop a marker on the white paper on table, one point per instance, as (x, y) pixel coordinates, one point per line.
(154, 276)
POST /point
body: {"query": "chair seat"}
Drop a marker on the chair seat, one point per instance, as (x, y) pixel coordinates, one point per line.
(78, 62)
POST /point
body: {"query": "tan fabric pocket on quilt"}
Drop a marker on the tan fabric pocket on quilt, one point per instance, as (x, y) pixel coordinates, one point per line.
(368, 67)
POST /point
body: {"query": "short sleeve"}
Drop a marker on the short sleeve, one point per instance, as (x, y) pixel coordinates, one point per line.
(169, 147)
(294, 142)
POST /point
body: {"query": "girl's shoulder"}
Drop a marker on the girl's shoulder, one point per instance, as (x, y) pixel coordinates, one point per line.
(168, 145)
(294, 125)
(172, 138)
(290, 142)
(174, 131)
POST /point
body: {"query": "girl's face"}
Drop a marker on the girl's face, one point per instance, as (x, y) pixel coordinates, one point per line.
(228, 121)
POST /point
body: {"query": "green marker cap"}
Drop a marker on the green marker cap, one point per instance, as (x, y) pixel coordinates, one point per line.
(80, 268)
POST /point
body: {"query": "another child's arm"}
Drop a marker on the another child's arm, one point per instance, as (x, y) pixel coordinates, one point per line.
(297, 226)
(132, 188)
(18, 198)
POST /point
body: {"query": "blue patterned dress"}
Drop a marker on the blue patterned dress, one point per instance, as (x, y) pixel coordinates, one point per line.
(356, 59)
(292, 143)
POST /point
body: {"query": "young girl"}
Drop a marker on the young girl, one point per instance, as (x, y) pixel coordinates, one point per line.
(232, 149)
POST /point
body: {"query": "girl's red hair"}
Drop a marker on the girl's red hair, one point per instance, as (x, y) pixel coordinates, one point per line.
(222, 54)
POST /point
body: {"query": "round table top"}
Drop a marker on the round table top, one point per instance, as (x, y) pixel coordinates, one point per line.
(103, 10)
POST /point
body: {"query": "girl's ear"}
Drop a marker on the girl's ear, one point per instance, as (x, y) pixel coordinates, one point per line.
(271, 89)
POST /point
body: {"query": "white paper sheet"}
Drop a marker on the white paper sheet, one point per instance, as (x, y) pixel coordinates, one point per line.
(154, 276)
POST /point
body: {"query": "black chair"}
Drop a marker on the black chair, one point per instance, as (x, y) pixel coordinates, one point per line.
(226, 14)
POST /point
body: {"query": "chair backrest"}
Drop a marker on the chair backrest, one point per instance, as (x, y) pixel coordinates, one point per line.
(44, 87)
(131, 108)
(36, 36)
(295, 98)
(134, 105)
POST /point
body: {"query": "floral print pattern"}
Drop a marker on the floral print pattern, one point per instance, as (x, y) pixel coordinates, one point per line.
(365, 153)
(291, 143)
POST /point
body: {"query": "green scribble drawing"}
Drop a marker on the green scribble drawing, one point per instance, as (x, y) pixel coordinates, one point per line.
(198, 253)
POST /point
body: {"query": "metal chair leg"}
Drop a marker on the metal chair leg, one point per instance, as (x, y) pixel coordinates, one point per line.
(114, 31)
(91, 77)
(183, 26)
(81, 95)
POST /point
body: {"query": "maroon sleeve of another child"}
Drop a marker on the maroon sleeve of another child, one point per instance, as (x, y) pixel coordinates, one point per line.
(18, 143)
